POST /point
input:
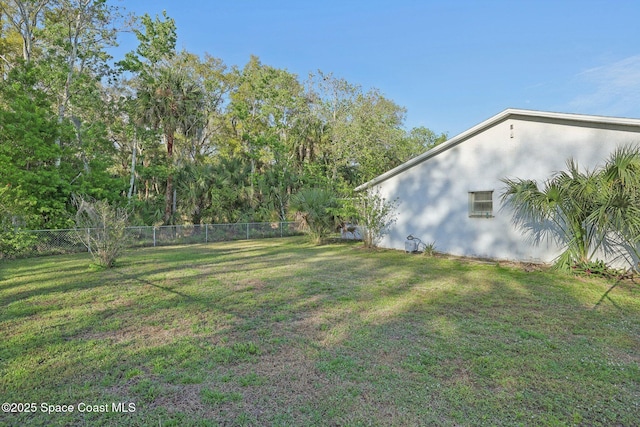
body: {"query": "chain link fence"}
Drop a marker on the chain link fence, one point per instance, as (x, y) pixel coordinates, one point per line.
(31, 243)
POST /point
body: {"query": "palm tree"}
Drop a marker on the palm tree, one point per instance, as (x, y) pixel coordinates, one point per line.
(617, 216)
(194, 182)
(170, 102)
(315, 208)
(583, 211)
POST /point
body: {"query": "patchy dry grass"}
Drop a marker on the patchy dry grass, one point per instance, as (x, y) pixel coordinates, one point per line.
(277, 332)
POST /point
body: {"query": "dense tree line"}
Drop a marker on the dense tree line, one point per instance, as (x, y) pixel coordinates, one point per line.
(176, 137)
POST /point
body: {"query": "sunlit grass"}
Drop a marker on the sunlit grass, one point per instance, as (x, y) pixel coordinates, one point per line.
(279, 332)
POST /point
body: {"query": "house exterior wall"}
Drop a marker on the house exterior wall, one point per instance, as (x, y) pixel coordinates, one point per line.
(434, 194)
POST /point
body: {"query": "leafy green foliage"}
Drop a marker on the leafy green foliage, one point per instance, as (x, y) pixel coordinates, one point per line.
(157, 42)
(597, 268)
(586, 211)
(316, 210)
(429, 249)
(178, 137)
(28, 151)
(168, 99)
(375, 214)
(14, 214)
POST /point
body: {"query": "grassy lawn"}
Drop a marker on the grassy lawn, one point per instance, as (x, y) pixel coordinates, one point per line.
(279, 332)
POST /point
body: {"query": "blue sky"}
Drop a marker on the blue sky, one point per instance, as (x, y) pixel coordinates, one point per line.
(451, 64)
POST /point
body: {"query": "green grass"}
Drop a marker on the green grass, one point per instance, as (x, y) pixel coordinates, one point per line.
(279, 332)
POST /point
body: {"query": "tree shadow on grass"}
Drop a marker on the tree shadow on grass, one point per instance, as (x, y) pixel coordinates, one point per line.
(344, 336)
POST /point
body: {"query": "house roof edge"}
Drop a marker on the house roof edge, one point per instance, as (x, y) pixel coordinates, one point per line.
(503, 115)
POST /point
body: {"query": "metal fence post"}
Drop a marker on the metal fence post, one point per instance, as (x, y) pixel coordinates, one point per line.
(206, 233)
(154, 237)
(247, 231)
(88, 240)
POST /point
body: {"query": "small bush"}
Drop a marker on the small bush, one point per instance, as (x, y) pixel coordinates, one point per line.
(102, 229)
(315, 210)
(375, 214)
(596, 268)
(12, 218)
(14, 243)
(429, 249)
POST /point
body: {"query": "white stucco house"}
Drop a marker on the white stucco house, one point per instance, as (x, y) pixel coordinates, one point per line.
(450, 195)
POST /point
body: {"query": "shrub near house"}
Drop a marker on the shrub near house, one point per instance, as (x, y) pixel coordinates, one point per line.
(587, 212)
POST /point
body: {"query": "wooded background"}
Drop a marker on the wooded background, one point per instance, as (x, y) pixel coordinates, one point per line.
(176, 137)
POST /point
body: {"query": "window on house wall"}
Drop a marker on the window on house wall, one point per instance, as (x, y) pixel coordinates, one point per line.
(481, 204)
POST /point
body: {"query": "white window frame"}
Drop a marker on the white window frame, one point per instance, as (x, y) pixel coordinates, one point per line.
(481, 204)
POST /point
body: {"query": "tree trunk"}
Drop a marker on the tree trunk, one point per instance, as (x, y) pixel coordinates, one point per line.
(132, 181)
(168, 200)
(168, 206)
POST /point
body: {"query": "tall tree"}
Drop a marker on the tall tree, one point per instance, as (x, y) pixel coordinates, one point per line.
(356, 135)
(28, 131)
(163, 93)
(421, 139)
(333, 100)
(264, 110)
(11, 42)
(207, 131)
(171, 103)
(64, 41)
(26, 17)
(76, 34)
(378, 135)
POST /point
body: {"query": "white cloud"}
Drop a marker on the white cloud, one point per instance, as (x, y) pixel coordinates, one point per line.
(612, 89)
